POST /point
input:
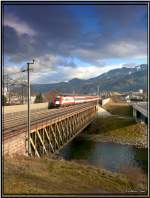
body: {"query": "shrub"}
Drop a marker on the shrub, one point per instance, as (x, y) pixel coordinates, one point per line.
(4, 100)
(39, 98)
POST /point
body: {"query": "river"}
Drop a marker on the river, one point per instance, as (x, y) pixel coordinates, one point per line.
(110, 156)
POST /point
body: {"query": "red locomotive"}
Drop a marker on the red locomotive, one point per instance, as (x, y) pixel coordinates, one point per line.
(66, 100)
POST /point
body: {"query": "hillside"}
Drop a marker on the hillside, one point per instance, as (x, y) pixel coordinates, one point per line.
(121, 80)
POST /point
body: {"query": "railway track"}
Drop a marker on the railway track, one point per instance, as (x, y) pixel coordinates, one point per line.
(19, 119)
(12, 127)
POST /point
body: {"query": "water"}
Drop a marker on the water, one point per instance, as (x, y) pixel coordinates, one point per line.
(106, 155)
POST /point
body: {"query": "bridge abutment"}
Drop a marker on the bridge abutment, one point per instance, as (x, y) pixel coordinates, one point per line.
(15, 145)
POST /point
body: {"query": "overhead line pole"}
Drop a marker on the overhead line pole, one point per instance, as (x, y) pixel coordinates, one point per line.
(98, 94)
(29, 121)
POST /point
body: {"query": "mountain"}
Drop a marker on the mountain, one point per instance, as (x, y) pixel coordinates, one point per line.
(120, 80)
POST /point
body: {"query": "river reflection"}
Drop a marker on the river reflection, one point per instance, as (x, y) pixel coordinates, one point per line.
(107, 155)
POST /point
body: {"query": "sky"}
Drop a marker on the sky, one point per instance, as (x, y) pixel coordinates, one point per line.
(73, 41)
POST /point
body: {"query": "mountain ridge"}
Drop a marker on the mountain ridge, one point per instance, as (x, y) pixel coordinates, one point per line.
(119, 79)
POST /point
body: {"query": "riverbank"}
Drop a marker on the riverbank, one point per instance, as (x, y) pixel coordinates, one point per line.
(24, 175)
(117, 129)
(119, 108)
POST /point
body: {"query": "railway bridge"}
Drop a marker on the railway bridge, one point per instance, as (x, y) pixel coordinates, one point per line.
(51, 129)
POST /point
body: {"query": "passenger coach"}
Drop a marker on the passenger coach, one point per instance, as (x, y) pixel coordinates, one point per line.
(58, 101)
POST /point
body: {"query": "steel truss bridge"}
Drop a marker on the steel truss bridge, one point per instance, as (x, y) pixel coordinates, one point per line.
(51, 129)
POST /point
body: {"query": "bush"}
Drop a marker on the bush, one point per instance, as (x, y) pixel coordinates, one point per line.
(4, 100)
(39, 98)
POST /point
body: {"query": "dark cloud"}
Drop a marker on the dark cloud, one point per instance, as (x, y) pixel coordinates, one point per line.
(55, 29)
(120, 32)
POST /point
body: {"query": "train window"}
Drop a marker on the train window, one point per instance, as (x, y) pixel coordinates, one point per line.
(57, 98)
(79, 99)
(68, 99)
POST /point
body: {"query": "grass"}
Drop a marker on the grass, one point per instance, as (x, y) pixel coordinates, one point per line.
(134, 174)
(119, 130)
(120, 127)
(119, 108)
(107, 124)
(23, 175)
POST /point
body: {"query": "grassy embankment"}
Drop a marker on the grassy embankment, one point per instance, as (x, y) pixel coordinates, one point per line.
(119, 108)
(118, 128)
(24, 175)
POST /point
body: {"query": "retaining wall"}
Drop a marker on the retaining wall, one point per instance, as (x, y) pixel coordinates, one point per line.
(105, 101)
(15, 145)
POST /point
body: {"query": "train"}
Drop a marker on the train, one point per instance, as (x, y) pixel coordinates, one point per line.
(66, 100)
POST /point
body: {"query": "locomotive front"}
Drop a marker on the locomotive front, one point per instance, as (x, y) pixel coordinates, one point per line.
(57, 101)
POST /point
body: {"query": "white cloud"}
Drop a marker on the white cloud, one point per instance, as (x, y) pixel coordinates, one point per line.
(128, 49)
(20, 26)
(11, 69)
(53, 69)
(86, 72)
(64, 74)
(115, 49)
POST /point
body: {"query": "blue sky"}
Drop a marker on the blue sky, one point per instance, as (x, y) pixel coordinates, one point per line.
(69, 41)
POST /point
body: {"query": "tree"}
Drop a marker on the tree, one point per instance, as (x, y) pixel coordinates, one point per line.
(39, 98)
(4, 100)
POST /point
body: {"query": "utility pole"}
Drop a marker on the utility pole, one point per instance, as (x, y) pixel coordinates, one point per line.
(7, 83)
(28, 79)
(97, 93)
(98, 90)
(23, 89)
(7, 87)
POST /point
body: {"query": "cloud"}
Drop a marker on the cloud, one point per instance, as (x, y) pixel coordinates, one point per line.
(68, 73)
(57, 32)
(19, 26)
(56, 35)
(11, 70)
(124, 49)
(50, 62)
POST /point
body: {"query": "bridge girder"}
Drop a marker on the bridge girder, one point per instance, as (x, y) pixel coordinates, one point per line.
(54, 135)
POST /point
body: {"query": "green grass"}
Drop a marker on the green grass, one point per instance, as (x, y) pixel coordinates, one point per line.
(119, 130)
(121, 109)
(107, 124)
(122, 130)
(24, 175)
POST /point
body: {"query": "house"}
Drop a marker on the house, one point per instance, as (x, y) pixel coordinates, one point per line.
(135, 96)
(32, 99)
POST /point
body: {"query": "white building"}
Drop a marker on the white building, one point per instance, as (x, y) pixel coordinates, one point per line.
(5, 91)
(141, 91)
(32, 99)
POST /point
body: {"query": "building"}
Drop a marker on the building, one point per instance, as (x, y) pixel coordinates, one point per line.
(5, 91)
(135, 96)
(32, 99)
